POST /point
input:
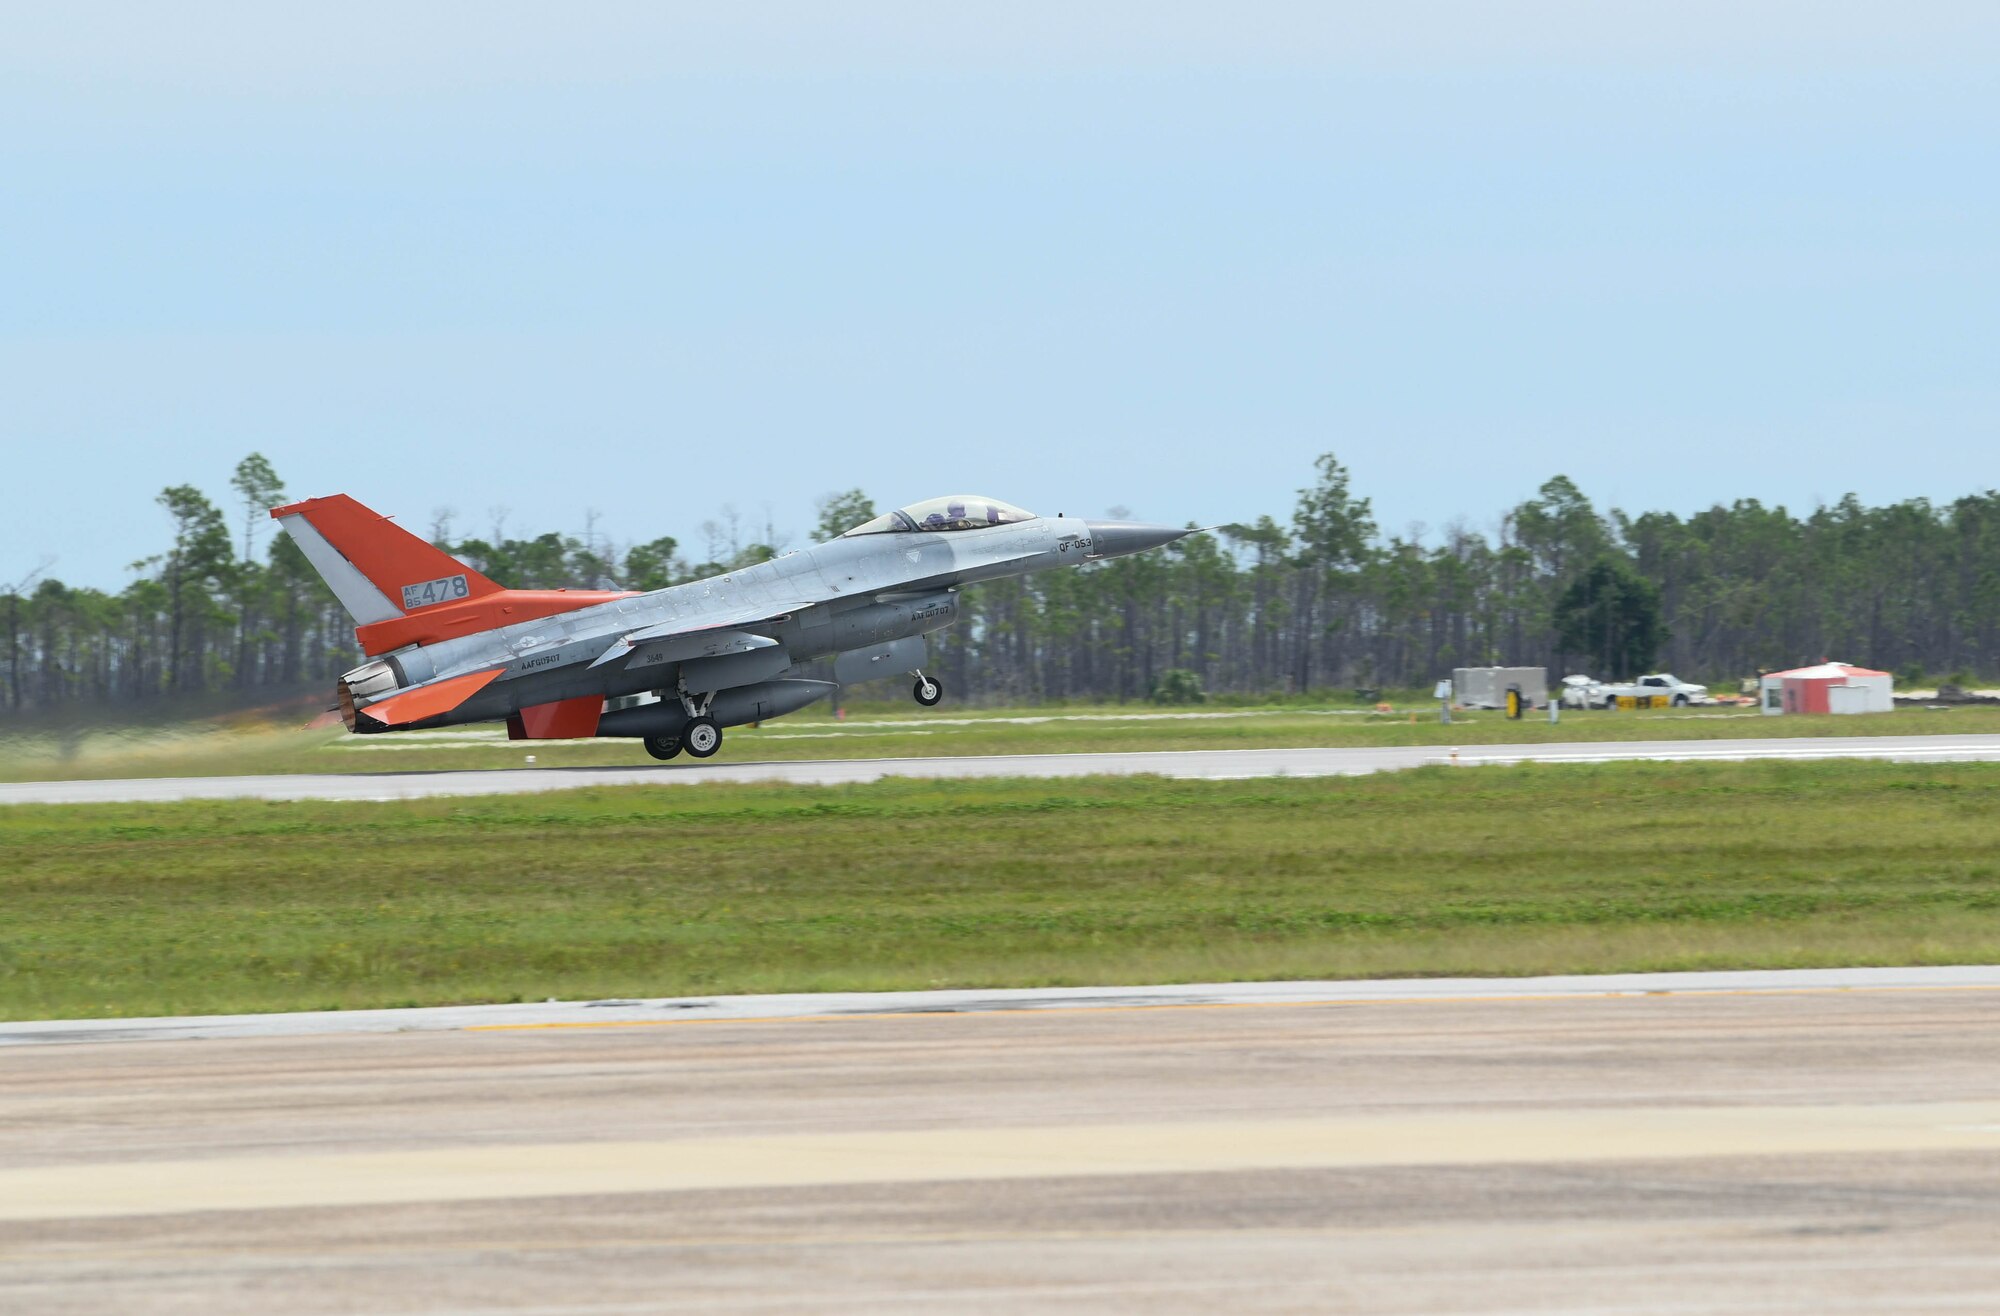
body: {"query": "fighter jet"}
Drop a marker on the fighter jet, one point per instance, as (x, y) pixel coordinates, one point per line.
(669, 667)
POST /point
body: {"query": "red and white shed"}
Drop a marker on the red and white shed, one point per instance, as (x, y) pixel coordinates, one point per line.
(1829, 688)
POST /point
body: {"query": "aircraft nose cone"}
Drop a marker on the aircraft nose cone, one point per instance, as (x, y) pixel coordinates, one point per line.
(1117, 538)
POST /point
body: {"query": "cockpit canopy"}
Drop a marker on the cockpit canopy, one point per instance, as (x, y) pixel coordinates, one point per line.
(952, 512)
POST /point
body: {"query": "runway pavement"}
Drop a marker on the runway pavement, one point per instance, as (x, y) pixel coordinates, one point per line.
(1221, 764)
(791, 1006)
(1673, 1144)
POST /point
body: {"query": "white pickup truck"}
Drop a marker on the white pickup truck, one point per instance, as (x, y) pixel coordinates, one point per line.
(1582, 692)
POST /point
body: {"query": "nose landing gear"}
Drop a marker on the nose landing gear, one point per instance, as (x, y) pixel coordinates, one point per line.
(928, 691)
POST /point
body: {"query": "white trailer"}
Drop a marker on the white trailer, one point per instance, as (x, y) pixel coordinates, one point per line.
(1486, 687)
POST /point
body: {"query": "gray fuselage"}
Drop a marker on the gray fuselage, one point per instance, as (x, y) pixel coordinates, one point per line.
(854, 597)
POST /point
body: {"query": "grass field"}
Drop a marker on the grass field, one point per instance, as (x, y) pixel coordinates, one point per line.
(131, 910)
(208, 749)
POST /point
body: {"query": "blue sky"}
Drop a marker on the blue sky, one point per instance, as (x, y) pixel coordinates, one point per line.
(649, 260)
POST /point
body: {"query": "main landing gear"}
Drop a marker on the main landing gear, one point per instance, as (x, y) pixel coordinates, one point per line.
(702, 737)
(928, 690)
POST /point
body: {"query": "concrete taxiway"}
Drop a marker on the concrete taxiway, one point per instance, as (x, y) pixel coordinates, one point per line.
(1671, 1143)
(1218, 764)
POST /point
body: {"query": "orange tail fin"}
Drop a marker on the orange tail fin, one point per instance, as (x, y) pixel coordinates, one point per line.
(401, 590)
(378, 570)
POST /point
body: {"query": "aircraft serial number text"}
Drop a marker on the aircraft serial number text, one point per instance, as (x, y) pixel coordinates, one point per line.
(434, 591)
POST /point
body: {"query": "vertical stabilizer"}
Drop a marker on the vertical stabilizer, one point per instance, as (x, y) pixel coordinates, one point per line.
(378, 570)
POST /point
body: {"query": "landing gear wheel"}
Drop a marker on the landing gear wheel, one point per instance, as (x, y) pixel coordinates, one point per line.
(702, 737)
(928, 691)
(663, 747)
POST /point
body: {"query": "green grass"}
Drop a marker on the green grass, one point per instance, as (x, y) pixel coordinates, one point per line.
(194, 749)
(129, 910)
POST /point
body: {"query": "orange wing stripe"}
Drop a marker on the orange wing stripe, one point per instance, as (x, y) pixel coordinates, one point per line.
(429, 700)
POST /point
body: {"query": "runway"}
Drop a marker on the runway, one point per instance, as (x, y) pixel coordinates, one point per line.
(802, 1006)
(1223, 764)
(1669, 1144)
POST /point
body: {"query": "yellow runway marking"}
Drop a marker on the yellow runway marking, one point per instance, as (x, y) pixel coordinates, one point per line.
(1612, 994)
(498, 1172)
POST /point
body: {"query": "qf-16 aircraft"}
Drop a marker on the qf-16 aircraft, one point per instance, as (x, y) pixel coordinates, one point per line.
(674, 666)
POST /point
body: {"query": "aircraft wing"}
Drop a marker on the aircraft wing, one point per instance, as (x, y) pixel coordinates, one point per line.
(710, 637)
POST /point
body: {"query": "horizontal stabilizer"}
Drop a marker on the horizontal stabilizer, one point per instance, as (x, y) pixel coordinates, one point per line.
(439, 697)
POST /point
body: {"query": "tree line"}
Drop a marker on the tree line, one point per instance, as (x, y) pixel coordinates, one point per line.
(1319, 600)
